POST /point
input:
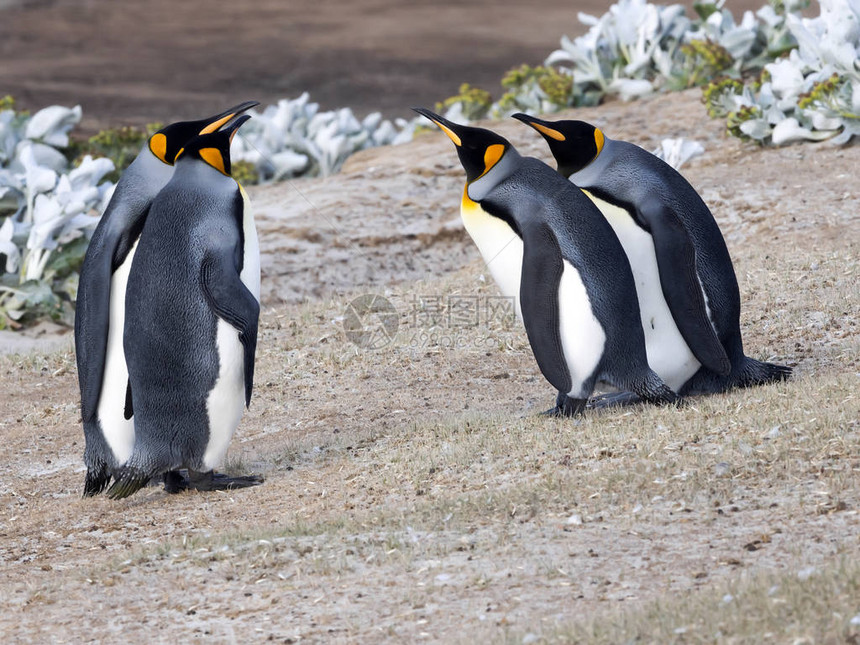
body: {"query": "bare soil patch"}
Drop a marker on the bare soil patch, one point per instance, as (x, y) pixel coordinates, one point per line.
(413, 494)
(138, 62)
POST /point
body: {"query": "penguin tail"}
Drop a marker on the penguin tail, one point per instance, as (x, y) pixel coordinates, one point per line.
(755, 372)
(96, 481)
(129, 480)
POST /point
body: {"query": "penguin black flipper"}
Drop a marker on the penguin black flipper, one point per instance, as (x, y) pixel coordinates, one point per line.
(231, 301)
(92, 307)
(541, 274)
(109, 248)
(676, 259)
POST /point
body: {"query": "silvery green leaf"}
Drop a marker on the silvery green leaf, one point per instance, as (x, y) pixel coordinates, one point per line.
(821, 121)
(629, 88)
(384, 133)
(51, 125)
(757, 129)
(47, 217)
(773, 114)
(10, 135)
(42, 155)
(664, 62)
(8, 247)
(455, 113)
(76, 227)
(789, 131)
(851, 129)
(677, 152)
(407, 131)
(90, 172)
(586, 19)
(372, 121)
(738, 41)
(786, 79)
(37, 178)
(11, 180)
(768, 16)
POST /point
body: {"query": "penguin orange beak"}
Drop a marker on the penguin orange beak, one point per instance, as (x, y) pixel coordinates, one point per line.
(444, 124)
(233, 126)
(544, 127)
(214, 123)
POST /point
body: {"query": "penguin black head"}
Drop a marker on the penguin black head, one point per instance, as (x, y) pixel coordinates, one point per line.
(167, 142)
(479, 149)
(213, 148)
(574, 144)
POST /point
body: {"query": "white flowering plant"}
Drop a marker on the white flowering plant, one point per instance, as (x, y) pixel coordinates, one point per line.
(775, 76)
(810, 95)
(47, 213)
(49, 206)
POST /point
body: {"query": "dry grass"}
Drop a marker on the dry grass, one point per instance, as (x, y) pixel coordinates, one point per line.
(413, 493)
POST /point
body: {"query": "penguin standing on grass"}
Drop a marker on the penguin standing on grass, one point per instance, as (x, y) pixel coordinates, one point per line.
(687, 289)
(549, 247)
(100, 306)
(192, 306)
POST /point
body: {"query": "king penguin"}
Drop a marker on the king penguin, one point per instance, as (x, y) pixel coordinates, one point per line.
(192, 307)
(686, 285)
(549, 249)
(100, 306)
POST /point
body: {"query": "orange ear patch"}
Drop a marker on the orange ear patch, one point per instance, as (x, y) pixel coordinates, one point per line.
(213, 157)
(491, 156)
(158, 146)
(598, 140)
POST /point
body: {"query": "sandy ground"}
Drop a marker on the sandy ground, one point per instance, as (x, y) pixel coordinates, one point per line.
(412, 494)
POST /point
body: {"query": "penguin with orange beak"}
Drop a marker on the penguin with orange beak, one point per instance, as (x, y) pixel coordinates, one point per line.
(100, 307)
(686, 284)
(549, 248)
(192, 307)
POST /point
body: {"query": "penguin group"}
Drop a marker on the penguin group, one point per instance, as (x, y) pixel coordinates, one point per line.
(616, 266)
(621, 276)
(166, 315)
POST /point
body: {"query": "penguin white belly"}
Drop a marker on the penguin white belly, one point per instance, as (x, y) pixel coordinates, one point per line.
(668, 353)
(500, 246)
(227, 398)
(117, 430)
(582, 335)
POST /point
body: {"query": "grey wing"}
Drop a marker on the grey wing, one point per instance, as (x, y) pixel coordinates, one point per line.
(676, 260)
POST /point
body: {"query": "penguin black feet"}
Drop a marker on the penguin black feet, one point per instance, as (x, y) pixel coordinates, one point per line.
(653, 390)
(176, 482)
(96, 481)
(566, 407)
(128, 481)
(613, 400)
